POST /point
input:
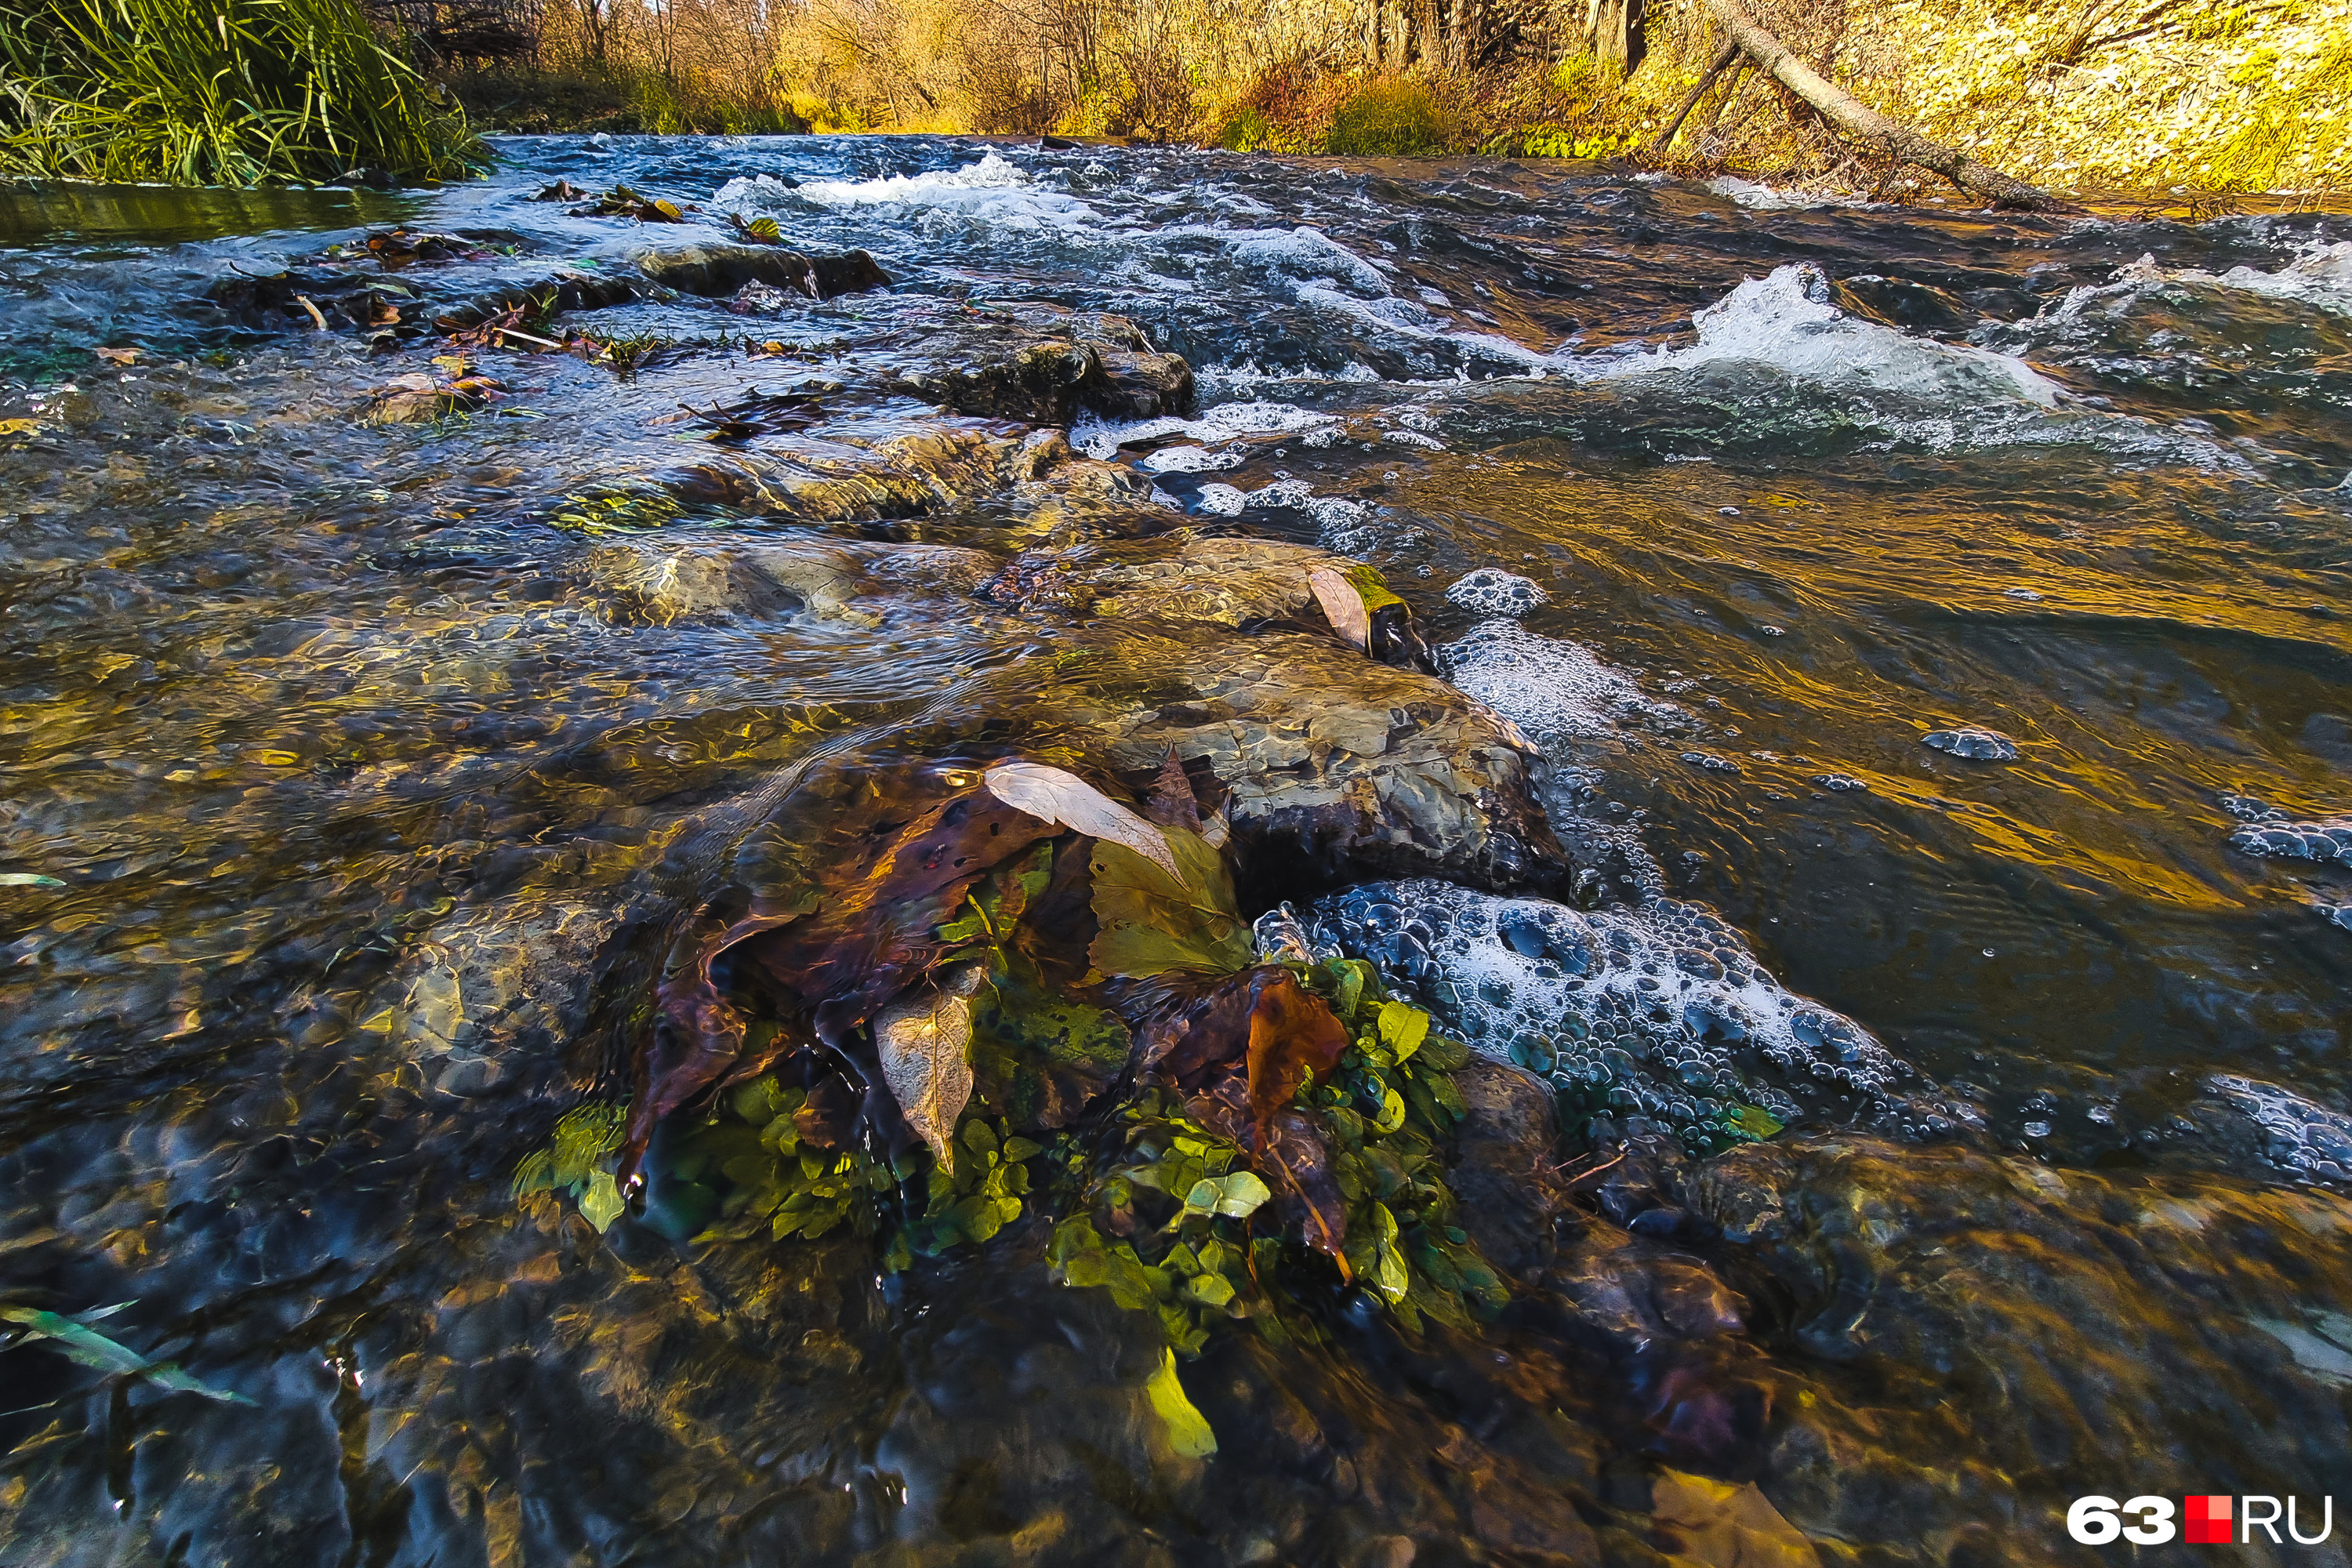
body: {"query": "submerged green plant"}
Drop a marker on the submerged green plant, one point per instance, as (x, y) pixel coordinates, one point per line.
(235, 92)
(1093, 1038)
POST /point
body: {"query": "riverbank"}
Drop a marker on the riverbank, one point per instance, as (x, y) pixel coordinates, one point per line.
(2167, 106)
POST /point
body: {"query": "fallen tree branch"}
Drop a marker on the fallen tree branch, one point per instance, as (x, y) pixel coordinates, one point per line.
(1866, 124)
(1730, 53)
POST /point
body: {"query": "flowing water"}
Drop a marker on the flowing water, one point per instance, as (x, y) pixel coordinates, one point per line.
(1748, 513)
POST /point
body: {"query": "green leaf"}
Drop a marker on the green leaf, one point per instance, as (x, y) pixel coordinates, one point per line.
(1239, 1195)
(1019, 1149)
(85, 1346)
(1403, 1028)
(1152, 922)
(1210, 1289)
(1187, 1431)
(1756, 1122)
(1390, 1276)
(1369, 584)
(1350, 976)
(600, 1203)
(1392, 1111)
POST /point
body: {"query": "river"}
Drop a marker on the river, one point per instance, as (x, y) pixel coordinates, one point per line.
(1928, 635)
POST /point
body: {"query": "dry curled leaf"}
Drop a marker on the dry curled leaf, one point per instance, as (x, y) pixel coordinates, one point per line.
(925, 1042)
(1342, 605)
(118, 356)
(1057, 795)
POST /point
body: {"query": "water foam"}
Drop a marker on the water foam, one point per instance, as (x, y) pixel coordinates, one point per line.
(1491, 591)
(2296, 1134)
(1550, 689)
(1787, 321)
(2319, 275)
(1100, 438)
(2323, 839)
(1659, 1009)
(1759, 197)
(992, 191)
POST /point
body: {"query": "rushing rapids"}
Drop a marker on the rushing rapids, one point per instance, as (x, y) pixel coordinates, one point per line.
(1844, 712)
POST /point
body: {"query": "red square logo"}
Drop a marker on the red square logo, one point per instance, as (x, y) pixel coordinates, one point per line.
(2205, 1520)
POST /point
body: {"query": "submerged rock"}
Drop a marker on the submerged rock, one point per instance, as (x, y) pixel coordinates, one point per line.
(1508, 1181)
(723, 268)
(1044, 363)
(754, 579)
(2071, 1315)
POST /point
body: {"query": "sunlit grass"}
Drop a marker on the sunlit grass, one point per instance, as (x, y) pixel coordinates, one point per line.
(229, 92)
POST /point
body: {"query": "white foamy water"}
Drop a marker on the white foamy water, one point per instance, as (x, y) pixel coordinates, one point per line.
(992, 191)
(1759, 197)
(1550, 689)
(2319, 275)
(1787, 321)
(1659, 1008)
(1100, 438)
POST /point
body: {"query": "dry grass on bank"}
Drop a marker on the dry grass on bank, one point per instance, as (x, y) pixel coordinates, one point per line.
(2147, 95)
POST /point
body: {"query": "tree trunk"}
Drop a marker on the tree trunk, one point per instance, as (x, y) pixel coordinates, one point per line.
(1623, 39)
(1890, 136)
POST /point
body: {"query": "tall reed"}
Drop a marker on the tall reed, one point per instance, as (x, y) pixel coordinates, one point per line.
(230, 93)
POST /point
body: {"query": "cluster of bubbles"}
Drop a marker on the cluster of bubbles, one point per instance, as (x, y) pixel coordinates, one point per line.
(1976, 743)
(1657, 1010)
(2322, 839)
(1491, 591)
(2294, 1134)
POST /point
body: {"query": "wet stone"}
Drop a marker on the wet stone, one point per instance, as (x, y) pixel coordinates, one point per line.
(1044, 363)
(2066, 1310)
(721, 268)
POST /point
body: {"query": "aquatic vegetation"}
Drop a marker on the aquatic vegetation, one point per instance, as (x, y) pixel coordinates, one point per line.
(72, 1336)
(1201, 1120)
(235, 92)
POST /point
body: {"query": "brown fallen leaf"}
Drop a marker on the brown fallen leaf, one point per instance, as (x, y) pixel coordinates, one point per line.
(1290, 1032)
(925, 1041)
(119, 356)
(843, 918)
(1057, 795)
(827, 1118)
(1343, 606)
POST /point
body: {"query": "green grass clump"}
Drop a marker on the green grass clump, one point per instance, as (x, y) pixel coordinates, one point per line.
(1390, 119)
(215, 92)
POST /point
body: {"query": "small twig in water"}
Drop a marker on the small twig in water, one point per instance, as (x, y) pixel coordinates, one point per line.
(304, 300)
(1595, 1170)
